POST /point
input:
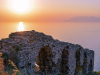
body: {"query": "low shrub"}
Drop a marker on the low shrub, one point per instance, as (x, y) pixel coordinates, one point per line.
(7, 65)
(96, 73)
(79, 70)
(7, 39)
(18, 48)
(5, 56)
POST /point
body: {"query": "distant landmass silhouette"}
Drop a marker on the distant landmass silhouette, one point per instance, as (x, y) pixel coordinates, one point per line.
(83, 19)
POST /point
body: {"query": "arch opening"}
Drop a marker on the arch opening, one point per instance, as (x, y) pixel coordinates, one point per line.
(79, 69)
(77, 58)
(90, 68)
(45, 60)
(85, 63)
(64, 62)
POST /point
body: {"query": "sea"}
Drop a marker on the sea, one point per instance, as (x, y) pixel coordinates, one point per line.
(85, 34)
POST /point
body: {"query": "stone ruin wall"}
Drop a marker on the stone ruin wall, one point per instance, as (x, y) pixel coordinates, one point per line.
(50, 56)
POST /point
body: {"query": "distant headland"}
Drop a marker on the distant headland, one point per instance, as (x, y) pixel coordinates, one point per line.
(83, 19)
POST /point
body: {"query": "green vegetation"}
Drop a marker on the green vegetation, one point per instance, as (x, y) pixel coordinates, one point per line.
(96, 73)
(53, 45)
(42, 44)
(5, 56)
(79, 70)
(8, 66)
(19, 73)
(7, 39)
(39, 37)
(15, 61)
(18, 48)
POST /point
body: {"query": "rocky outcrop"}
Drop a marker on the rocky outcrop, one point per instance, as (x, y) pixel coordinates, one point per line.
(35, 53)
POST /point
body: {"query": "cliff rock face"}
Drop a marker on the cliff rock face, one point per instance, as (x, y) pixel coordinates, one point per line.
(39, 54)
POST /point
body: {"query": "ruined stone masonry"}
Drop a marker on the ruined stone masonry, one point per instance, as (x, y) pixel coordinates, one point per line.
(35, 53)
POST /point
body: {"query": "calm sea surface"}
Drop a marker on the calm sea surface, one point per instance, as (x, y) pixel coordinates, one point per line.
(85, 34)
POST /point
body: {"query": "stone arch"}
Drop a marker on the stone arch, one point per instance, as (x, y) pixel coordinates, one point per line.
(90, 68)
(64, 61)
(45, 59)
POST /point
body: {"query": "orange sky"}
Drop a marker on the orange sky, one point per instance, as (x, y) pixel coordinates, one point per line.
(50, 10)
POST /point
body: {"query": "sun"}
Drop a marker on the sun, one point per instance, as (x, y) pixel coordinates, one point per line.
(21, 26)
(20, 6)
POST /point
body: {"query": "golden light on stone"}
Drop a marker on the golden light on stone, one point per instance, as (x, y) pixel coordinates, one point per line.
(21, 26)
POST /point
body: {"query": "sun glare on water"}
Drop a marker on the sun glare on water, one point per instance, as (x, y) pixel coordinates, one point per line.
(21, 26)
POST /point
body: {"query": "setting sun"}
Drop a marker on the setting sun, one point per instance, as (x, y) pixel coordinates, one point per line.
(20, 6)
(21, 26)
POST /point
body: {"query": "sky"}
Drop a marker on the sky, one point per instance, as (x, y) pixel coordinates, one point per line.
(48, 10)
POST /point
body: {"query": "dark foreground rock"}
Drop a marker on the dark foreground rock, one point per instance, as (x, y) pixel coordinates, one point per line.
(35, 53)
